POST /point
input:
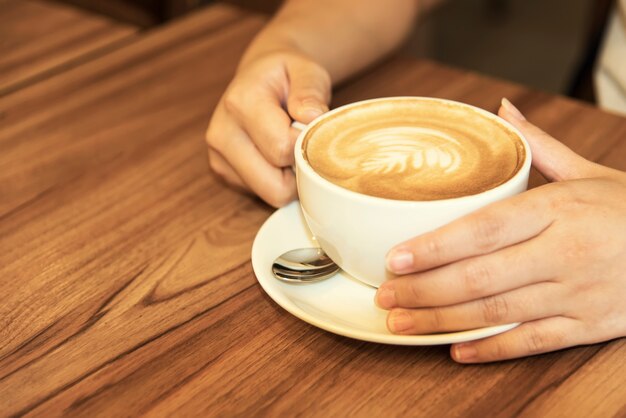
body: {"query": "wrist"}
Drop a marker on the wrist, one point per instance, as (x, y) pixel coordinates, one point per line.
(270, 43)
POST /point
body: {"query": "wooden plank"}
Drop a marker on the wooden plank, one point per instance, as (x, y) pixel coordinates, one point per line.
(144, 14)
(595, 389)
(125, 273)
(26, 337)
(41, 38)
(84, 92)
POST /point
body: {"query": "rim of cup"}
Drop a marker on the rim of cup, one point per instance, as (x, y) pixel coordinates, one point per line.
(303, 166)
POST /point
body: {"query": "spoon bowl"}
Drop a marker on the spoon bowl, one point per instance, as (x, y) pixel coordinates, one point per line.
(304, 265)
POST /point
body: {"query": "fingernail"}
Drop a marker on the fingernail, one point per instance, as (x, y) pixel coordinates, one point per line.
(465, 352)
(513, 111)
(312, 109)
(399, 261)
(400, 321)
(386, 297)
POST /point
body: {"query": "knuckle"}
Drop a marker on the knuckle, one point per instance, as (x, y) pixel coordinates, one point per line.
(577, 250)
(412, 293)
(537, 342)
(231, 102)
(435, 248)
(281, 155)
(216, 166)
(495, 309)
(500, 350)
(280, 196)
(326, 79)
(488, 232)
(567, 197)
(559, 199)
(437, 319)
(210, 138)
(323, 77)
(477, 277)
(309, 95)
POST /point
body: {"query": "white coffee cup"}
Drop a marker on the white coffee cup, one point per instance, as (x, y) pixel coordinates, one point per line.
(357, 230)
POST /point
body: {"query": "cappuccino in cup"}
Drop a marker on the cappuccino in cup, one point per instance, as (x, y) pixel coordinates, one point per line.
(413, 150)
(375, 173)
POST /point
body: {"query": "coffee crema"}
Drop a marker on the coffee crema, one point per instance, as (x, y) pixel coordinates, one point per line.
(413, 149)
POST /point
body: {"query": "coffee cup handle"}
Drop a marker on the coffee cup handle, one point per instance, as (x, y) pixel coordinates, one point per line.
(299, 126)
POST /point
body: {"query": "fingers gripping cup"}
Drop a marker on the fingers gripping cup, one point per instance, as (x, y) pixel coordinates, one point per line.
(375, 173)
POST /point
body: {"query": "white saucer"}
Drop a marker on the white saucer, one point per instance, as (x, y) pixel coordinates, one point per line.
(341, 304)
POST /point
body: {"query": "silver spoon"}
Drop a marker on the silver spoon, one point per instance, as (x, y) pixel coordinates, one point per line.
(304, 265)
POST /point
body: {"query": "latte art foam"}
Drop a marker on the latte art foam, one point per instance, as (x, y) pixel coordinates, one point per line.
(412, 149)
(404, 149)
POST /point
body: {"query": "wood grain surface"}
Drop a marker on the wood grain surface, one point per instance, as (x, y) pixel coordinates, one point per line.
(125, 277)
(40, 38)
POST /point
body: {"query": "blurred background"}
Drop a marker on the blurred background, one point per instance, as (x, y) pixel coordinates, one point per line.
(549, 45)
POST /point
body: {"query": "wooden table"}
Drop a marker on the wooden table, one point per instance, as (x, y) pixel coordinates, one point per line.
(125, 266)
(41, 38)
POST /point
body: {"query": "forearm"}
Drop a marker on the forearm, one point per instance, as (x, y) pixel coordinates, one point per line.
(343, 36)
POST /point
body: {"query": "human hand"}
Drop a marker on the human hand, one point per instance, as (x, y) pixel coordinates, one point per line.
(250, 137)
(553, 258)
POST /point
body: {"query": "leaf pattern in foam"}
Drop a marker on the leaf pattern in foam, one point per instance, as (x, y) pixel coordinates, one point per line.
(402, 149)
